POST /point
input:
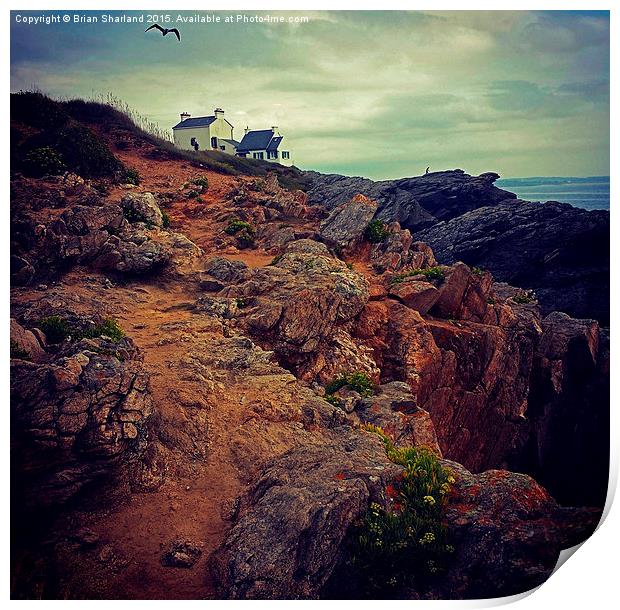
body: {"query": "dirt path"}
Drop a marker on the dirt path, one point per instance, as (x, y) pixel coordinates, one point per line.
(211, 419)
(216, 424)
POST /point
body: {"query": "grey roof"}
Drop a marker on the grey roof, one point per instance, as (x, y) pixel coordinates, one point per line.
(233, 142)
(275, 142)
(199, 121)
(256, 140)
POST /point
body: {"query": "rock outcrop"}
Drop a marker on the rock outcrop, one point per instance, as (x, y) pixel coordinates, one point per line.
(560, 252)
(507, 527)
(76, 415)
(346, 224)
(318, 491)
(288, 542)
(568, 411)
(413, 202)
(296, 306)
(142, 207)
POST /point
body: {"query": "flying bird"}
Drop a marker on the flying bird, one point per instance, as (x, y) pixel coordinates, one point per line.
(164, 31)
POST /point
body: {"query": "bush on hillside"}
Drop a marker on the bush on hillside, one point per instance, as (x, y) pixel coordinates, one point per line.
(43, 161)
(37, 110)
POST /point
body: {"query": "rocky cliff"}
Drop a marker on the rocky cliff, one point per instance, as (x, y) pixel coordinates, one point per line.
(559, 251)
(224, 388)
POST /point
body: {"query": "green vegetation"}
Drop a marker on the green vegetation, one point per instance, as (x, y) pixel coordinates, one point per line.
(430, 273)
(523, 298)
(108, 328)
(132, 215)
(165, 219)
(202, 182)
(405, 542)
(35, 109)
(276, 259)
(44, 161)
(85, 153)
(19, 352)
(376, 231)
(241, 302)
(357, 381)
(235, 226)
(477, 271)
(333, 400)
(132, 177)
(57, 329)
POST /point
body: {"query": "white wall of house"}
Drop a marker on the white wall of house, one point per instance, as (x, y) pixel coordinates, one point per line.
(220, 128)
(287, 162)
(183, 137)
(227, 147)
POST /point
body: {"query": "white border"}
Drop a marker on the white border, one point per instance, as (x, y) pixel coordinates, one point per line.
(589, 578)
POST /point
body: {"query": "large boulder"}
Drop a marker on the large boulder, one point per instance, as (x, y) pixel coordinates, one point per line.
(463, 294)
(26, 344)
(142, 207)
(345, 226)
(506, 526)
(289, 537)
(296, 305)
(394, 409)
(418, 295)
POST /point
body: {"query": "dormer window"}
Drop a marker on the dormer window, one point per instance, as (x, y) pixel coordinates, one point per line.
(285, 154)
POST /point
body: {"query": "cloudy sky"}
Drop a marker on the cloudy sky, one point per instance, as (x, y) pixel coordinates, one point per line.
(379, 94)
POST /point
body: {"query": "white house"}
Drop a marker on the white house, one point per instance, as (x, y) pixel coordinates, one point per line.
(216, 133)
(264, 144)
(205, 133)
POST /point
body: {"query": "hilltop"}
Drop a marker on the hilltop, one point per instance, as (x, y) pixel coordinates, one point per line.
(223, 386)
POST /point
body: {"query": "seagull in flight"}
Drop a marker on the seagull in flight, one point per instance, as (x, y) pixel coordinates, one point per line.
(164, 31)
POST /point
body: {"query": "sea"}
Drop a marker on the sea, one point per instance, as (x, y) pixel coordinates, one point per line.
(588, 193)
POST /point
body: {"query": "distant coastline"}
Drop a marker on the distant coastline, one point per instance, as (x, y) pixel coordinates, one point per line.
(589, 193)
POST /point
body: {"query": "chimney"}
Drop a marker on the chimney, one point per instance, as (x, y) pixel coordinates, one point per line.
(247, 128)
(219, 113)
(185, 116)
(274, 128)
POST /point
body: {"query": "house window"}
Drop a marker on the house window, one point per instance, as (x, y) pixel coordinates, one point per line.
(194, 143)
(222, 147)
(244, 155)
(285, 154)
(272, 154)
(214, 142)
(258, 155)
